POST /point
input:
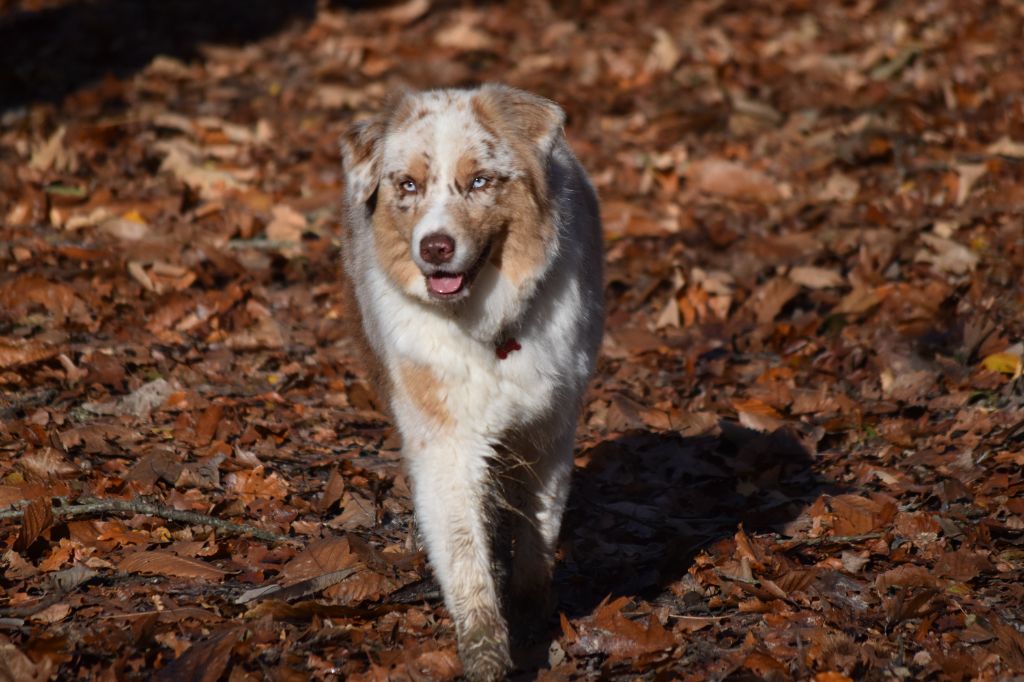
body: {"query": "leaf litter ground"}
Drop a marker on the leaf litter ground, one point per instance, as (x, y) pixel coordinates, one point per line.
(800, 459)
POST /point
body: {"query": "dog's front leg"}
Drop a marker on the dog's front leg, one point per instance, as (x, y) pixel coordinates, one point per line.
(545, 489)
(451, 482)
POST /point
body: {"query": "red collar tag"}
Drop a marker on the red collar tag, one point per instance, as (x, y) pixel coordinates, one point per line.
(506, 347)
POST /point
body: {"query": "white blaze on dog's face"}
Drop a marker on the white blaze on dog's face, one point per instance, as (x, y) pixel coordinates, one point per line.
(456, 183)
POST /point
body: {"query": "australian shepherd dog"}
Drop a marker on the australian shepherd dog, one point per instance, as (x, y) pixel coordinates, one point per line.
(473, 250)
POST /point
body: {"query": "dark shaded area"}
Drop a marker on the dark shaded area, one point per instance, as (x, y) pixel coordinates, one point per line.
(648, 502)
(48, 54)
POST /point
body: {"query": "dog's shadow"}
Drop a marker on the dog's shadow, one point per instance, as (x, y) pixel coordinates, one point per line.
(647, 503)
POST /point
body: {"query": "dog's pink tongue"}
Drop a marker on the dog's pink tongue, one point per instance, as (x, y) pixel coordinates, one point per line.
(444, 284)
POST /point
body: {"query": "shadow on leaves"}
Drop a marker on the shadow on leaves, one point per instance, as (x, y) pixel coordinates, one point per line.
(49, 53)
(647, 503)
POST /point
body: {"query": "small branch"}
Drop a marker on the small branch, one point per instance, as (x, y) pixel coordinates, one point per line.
(32, 608)
(263, 244)
(422, 590)
(830, 540)
(89, 506)
(298, 590)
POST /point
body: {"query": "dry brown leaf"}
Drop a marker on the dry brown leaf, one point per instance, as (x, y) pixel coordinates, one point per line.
(364, 585)
(182, 160)
(907, 575)
(47, 463)
(37, 516)
(832, 677)
(437, 665)
(405, 13)
(130, 227)
(204, 661)
(323, 556)
(22, 293)
(1004, 146)
(732, 180)
(253, 484)
(609, 632)
(839, 187)
(816, 278)
(139, 403)
(54, 613)
(963, 565)
(465, 34)
(286, 225)
(54, 154)
(856, 515)
(333, 491)
(210, 419)
(16, 352)
(764, 665)
(157, 562)
(15, 666)
(357, 513)
(946, 255)
(860, 300)
(969, 174)
(757, 415)
(769, 299)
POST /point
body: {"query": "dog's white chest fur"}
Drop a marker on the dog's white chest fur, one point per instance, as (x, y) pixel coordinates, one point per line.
(473, 247)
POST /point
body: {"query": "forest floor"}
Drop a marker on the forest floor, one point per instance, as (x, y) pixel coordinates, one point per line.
(801, 457)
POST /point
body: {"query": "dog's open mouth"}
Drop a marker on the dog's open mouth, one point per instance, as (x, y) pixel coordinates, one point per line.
(449, 285)
(444, 284)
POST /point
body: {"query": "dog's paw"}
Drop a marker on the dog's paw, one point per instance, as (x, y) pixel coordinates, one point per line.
(485, 654)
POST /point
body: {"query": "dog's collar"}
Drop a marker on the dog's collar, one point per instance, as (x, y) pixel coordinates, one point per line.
(507, 346)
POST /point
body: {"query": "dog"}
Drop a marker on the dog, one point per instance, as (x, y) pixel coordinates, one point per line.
(473, 250)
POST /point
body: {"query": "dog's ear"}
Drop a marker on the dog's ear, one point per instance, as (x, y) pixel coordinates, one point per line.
(360, 156)
(361, 147)
(529, 117)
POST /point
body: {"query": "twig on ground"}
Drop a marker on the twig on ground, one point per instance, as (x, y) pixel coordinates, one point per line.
(829, 540)
(420, 591)
(90, 506)
(300, 589)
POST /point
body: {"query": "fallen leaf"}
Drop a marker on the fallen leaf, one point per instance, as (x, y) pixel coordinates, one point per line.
(907, 575)
(323, 556)
(969, 174)
(158, 562)
(37, 516)
(17, 667)
(1004, 146)
(53, 154)
(946, 255)
(769, 299)
(1004, 363)
(732, 180)
(16, 352)
(757, 415)
(286, 225)
(839, 187)
(963, 564)
(139, 403)
(816, 278)
(406, 12)
(204, 661)
(54, 613)
(856, 515)
(465, 35)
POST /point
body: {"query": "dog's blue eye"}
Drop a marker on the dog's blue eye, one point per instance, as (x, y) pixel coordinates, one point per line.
(409, 187)
(480, 182)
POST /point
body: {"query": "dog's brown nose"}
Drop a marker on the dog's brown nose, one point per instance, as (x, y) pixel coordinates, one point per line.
(437, 248)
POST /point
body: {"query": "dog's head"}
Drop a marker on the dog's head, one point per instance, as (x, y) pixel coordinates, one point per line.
(454, 181)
